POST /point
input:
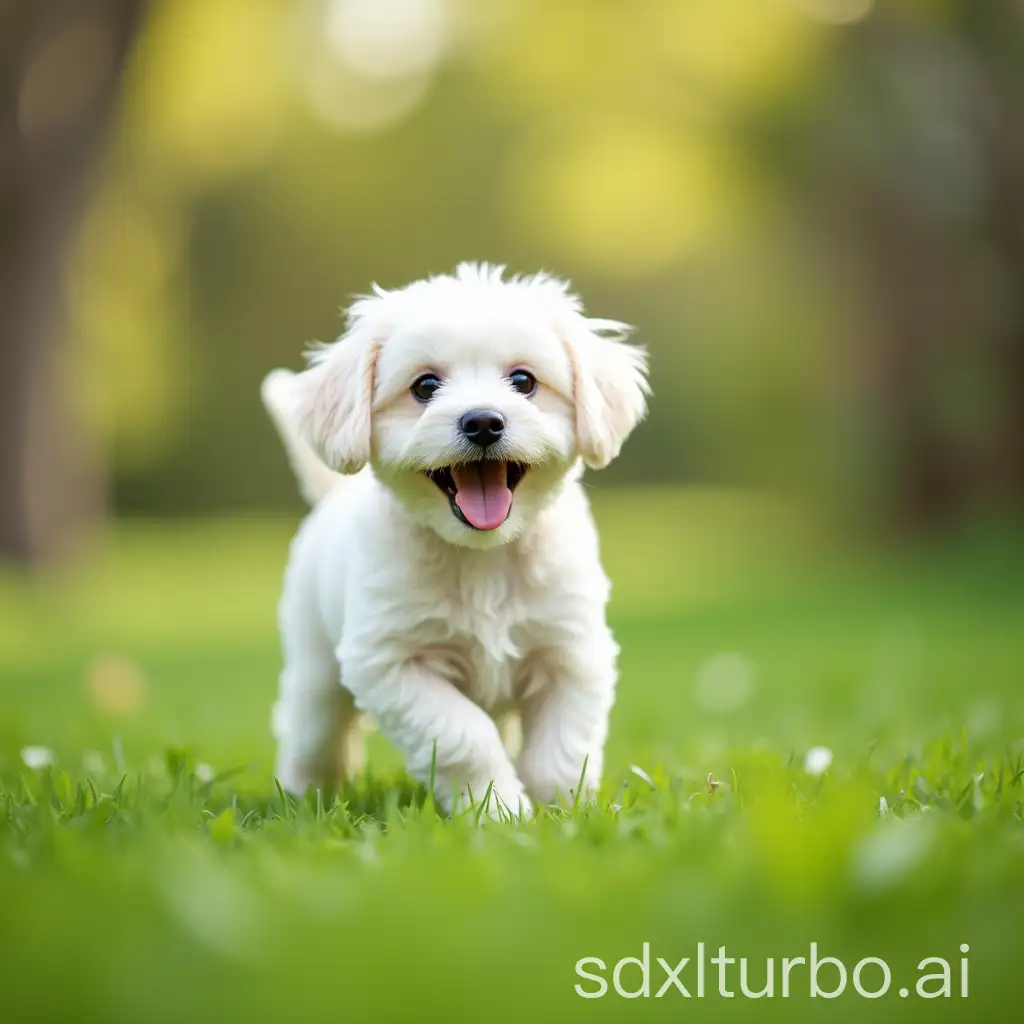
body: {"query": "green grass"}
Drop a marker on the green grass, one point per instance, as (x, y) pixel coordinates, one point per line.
(136, 887)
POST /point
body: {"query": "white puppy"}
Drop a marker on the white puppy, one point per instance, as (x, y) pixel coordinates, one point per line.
(452, 574)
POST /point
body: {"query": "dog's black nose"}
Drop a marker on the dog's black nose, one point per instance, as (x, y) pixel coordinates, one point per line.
(482, 426)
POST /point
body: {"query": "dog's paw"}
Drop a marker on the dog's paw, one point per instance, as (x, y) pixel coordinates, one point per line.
(505, 803)
(562, 791)
(518, 808)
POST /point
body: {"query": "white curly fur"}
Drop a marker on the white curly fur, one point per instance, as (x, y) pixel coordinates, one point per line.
(395, 608)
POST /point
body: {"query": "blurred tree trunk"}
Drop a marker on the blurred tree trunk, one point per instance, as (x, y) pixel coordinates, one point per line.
(998, 37)
(924, 160)
(60, 69)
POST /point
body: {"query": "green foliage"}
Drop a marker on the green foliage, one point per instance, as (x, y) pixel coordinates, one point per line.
(725, 175)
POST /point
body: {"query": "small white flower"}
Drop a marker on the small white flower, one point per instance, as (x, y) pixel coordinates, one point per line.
(37, 757)
(883, 807)
(204, 772)
(641, 774)
(817, 760)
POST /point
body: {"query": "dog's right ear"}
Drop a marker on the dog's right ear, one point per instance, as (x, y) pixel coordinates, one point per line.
(334, 399)
(609, 384)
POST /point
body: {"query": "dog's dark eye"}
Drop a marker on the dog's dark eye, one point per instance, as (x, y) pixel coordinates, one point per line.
(524, 382)
(423, 388)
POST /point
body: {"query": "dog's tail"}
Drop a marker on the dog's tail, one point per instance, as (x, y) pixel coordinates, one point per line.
(315, 479)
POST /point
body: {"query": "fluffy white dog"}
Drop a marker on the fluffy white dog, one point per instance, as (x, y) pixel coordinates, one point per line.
(449, 570)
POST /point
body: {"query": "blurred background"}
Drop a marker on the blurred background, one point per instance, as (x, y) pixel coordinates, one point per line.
(813, 210)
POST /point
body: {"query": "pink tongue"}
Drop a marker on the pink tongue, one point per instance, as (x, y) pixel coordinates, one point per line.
(482, 493)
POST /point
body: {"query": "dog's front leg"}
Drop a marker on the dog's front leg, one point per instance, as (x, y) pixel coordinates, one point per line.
(441, 732)
(565, 720)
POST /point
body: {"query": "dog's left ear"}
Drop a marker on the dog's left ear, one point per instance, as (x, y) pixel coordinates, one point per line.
(610, 386)
(334, 399)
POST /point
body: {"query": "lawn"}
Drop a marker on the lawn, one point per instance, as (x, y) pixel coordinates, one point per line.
(813, 743)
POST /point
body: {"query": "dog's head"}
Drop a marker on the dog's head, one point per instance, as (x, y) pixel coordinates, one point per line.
(473, 397)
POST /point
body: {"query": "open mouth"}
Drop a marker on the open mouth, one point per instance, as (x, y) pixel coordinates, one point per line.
(480, 493)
